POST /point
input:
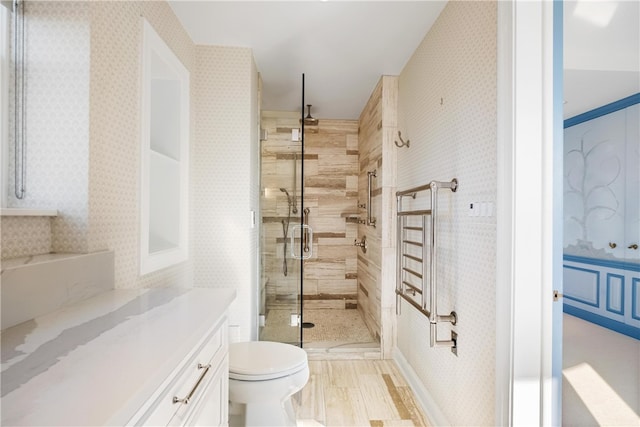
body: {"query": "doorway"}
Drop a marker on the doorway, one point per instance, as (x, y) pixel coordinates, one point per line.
(601, 268)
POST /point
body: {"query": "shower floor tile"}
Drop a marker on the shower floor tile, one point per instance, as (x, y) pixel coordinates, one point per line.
(336, 325)
(332, 328)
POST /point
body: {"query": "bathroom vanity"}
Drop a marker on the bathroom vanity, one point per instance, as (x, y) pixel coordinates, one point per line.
(124, 357)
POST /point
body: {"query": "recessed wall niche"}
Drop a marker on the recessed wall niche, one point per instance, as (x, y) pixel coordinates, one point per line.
(164, 155)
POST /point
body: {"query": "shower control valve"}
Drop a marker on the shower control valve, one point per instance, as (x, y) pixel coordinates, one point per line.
(362, 244)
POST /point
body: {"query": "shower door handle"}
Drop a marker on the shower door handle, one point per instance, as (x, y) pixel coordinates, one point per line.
(306, 231)
(305, 234)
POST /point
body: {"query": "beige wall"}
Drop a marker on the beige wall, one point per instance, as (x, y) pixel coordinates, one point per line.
(57, 110)
(224, 166)
(114, 145)
(83, 130)
(447, 108)
(92, 176)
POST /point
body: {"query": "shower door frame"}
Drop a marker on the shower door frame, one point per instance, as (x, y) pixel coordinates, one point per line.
(302, 221)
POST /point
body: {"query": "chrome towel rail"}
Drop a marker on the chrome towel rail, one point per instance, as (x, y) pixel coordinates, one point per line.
(417, 259)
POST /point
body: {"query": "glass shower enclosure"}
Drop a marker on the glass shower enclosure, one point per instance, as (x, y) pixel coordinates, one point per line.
(286, 238)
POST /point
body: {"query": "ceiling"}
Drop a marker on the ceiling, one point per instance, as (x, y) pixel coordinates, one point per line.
(343, 47)
(601, 53)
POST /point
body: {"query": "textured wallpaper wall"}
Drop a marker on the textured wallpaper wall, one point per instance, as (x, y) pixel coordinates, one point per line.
(447, 108)
(85, 149)
(224, 167)
(114, 159)
(84, 132)
(57, 131)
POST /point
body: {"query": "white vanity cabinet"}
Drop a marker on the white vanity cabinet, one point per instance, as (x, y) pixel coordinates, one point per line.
(120, 358)
(196, 393)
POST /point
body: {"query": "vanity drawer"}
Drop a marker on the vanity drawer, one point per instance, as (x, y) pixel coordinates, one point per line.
(187, 385)
(210, 403)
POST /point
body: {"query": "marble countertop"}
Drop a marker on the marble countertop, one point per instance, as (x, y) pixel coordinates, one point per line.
(99, 361)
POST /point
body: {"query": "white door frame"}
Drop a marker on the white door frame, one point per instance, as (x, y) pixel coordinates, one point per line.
(529, 209)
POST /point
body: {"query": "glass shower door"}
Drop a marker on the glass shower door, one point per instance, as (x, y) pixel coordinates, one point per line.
(285, 238)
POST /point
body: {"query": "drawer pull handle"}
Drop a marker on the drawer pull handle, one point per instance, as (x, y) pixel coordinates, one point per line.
(186, 400)
(634, 246)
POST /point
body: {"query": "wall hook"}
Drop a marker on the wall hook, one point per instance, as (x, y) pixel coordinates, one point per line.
(402, 141)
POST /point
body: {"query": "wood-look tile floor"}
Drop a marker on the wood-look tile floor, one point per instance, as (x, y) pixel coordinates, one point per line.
(345, 393)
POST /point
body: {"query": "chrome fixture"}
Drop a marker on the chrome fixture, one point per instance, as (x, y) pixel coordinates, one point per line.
(295, 180)
(19, 63)
(308, 120)
(370, 219)
(305, 236)
(417, 249)
(187, 399)
(285, 231)
(289, 199)
(362, 244)
(305, 230)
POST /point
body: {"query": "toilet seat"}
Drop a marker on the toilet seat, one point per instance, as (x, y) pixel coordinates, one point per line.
(264, 360)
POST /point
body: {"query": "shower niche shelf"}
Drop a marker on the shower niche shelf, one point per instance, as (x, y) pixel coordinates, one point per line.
(164, 155)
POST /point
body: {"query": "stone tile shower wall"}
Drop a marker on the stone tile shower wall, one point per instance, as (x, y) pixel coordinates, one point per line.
(331, 194)
(376, 267)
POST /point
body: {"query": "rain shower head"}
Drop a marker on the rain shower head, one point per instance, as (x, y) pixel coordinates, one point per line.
(310, 120)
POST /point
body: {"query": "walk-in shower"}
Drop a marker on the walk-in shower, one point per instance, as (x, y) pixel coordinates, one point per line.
(311, 182)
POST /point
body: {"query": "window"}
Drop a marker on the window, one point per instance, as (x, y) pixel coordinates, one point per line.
(4, 101)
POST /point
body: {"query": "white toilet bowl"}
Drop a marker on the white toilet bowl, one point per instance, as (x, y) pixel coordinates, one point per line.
(263, 376)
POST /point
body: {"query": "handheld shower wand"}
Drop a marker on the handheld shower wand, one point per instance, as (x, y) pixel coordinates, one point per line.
(285, 231)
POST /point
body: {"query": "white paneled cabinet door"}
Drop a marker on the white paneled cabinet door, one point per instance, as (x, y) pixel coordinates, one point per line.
(632, 207)
(602, 219)
(594, 186)
(602, 186)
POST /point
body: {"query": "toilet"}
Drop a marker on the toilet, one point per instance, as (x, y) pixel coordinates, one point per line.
(263, 375)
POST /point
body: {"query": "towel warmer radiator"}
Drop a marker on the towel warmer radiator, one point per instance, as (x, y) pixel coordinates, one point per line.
(417, 259)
